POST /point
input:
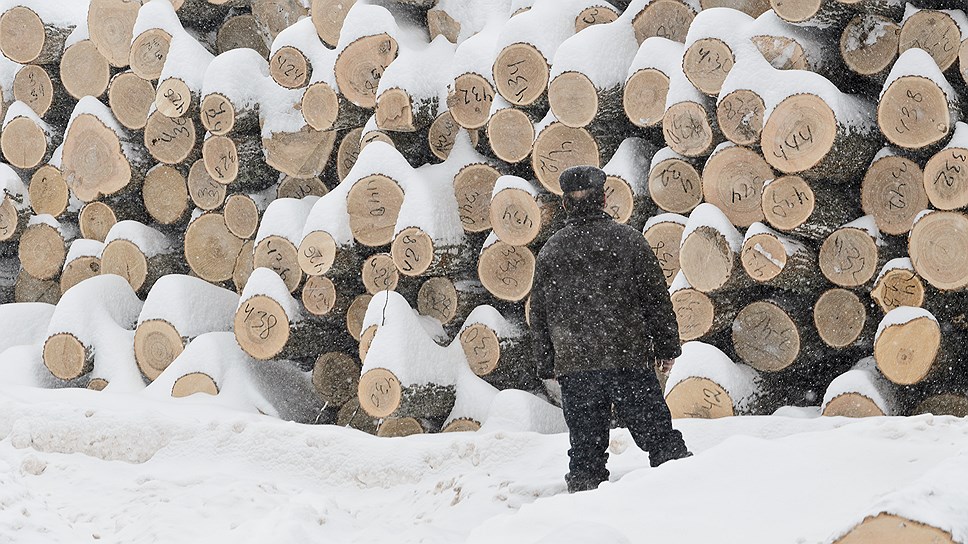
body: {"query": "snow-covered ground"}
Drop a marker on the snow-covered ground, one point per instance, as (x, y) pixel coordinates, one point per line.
(83, 466)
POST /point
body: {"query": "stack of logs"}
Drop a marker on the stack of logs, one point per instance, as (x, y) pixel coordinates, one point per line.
(798, 168)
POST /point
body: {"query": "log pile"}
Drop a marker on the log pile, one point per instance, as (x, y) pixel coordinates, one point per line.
(800, 171)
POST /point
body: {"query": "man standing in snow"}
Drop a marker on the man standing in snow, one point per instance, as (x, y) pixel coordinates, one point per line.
(601, 315)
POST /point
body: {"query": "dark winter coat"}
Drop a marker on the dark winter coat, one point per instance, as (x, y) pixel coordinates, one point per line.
(599, 300)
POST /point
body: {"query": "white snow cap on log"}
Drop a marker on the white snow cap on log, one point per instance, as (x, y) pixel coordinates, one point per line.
(192, 305)
(274, 388)
(681, 89)
(68, 231)
(632, 162)
(545, 26)
(864, 378)
(476, 17)
(488, 316)
(700, 360)
(901, 263)
(957, 15)
(918, 62)
(8, 72)
(789, 244)
(150, 241)
(367, 20)
(64, 14)
(959, 139)
(402, 345)
(900, 316)
(664, 154)
(658, 53)
(708, 215)
(20, 109)
(728, 25)
(280, 110)
(12, 185)
(423, 70)
(380, 158)
(475, 54)
(665, 218)
(473, 397)
(679, 282)
(24, 323)
(83, 247)
(241, 75)
(513, 410)
(514, 182)
(265, 282)
(602, 52)
(330, 214)
(868, 224)
(286, 218)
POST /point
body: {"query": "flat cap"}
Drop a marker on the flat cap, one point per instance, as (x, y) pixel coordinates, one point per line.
(580, 178)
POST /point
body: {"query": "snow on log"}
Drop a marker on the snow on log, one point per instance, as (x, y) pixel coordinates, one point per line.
(377, 183)
(411, 92)
(733, 179)
(472, 93)
(700, 315)
(779, 261)
(171, 318)
(472, 403)
(232, 91)
(327, 245)
(26, 140)
(450, 301)
(213, 364)
(627, 197)
(295, 53)
(860, 392)
(506, 271)
(917, 108)
(181, 79)
(663, 232)
(290, 145)
(715, 38)
(938, 246)
(139, 254)
(938, 32)
(34, 31)
(274, 16)
(583, 89)
(675, 184)
(808, 210)
(513, 410)
(498, 350)
(869, 45)
(92, 330)
(367, 45)
(706, 384)
(328, 17)
(910, 346)
(894, 192)
(280, 233)
(43, 246)
(405, 372)
(898, 284)
(710, 253)
(131, 99)
(83, 261)
(850, 256)
(843, 320)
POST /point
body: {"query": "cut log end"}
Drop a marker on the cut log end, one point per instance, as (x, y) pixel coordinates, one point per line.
(740, 117)
(443, 134)
(196, 382)
(515, 216)
(482, 347)
(782, 52)
(380, 273)
(852, 405)
(706, 259)
(169, 140)
(348, 152)
(521, 74)
(79, 270)
(573, 99)
(360, 66)
(319, 295)
(511, 134)
(898, 287)
(799, 133)
(462, 425)
(156, 344)
(373, 205)
(663, 18)
(174, 98)
(620, 200)
(84, 71)
(24, 143)
(279, 255)
(412, 251)
(66, 357)
(355, 315)
(241, 216)
(938, 247)
(733, 181)
(379, 392)
(10, 221)
(217, 114)
(893, 192)
(788, 202)
(290, 68)
(300, 188)
(664, 239)
(839, 316)
(695, 314)
(507, 271)
(945, 181)
(395, 111)
(764, 256)
(644, 97)
(366, 340)
(111, 25)
(675, 186)
(165, 194)
(320, 106)
(221, 157)
(559, 147)
(906, 352)
(438, 298)
(125, 259)
(207, 193)
(765, 337)
(149, 52)
(471, 100)
(96, 220)
(706, 64)
(317, 252)
(131, 98)
(913, 113)
(336, 378)
(934, 31)
(48, 191)
(687, 131)
(848, 257)
(32, 86)
(869, 44)
(42, 251)
(22, 34)
(261, 327)
(211, 250)
(473, 186)
(891, 528)
(399, 427)
(699, 398)
(97, 384)
(94, 163)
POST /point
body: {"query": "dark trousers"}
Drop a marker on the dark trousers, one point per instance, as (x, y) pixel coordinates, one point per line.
(587, 399)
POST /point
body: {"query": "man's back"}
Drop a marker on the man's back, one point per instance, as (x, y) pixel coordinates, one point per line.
(602, 297)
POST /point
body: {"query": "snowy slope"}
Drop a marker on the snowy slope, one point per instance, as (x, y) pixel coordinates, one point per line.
(80, 466)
